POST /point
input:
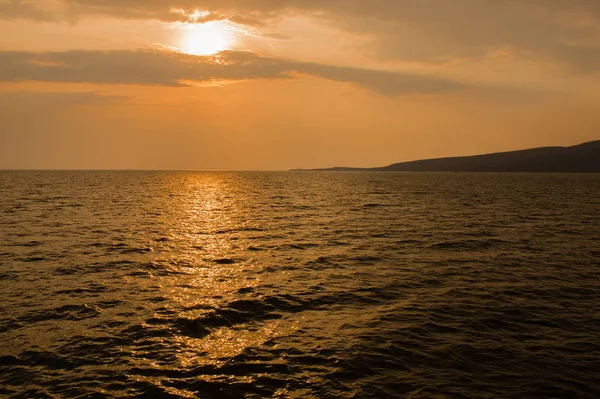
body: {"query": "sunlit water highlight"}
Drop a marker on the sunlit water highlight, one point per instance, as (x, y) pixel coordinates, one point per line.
(227, 285)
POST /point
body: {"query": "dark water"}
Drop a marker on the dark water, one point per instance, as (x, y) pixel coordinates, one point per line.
(232, 285)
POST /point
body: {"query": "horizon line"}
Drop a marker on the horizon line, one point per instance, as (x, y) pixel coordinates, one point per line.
(276, 170)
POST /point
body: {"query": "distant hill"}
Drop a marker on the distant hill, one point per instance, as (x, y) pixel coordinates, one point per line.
(582, 158)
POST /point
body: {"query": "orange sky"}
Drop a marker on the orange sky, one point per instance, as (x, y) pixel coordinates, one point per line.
(271, 85)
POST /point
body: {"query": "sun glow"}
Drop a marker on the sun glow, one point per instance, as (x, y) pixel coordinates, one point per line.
(207, 38)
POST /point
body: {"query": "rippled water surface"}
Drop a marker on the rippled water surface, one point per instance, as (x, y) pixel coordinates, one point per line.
(325, 285)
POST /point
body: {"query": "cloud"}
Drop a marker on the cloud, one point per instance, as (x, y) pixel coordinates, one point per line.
(166, 68)
(431, 30)
(17, 9)
(243, 12)
(49, 99)
(384, 82)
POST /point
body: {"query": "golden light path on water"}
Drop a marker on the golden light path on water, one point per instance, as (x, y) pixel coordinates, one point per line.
(206, 216)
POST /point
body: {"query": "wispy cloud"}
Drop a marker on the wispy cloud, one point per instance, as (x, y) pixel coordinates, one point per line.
(166, 68)
(60, 99)
(567, 32)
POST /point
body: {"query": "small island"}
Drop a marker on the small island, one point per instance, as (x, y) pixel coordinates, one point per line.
(582, 158)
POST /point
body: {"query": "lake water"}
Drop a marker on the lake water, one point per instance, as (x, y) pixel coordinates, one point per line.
(325, 285)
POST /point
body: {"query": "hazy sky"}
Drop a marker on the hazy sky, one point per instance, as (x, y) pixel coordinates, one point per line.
(279, 84)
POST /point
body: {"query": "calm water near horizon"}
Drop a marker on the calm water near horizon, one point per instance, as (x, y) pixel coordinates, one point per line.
(281, 284)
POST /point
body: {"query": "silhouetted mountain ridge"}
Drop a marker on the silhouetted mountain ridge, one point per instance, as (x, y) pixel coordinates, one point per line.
(582, 158)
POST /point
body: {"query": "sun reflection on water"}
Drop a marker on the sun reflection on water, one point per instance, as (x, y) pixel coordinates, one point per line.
(223, 344)
(212, 267)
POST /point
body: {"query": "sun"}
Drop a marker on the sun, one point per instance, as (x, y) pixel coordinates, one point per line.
(207, 38)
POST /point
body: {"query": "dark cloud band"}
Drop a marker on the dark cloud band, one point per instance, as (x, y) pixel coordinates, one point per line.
(166, 68)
